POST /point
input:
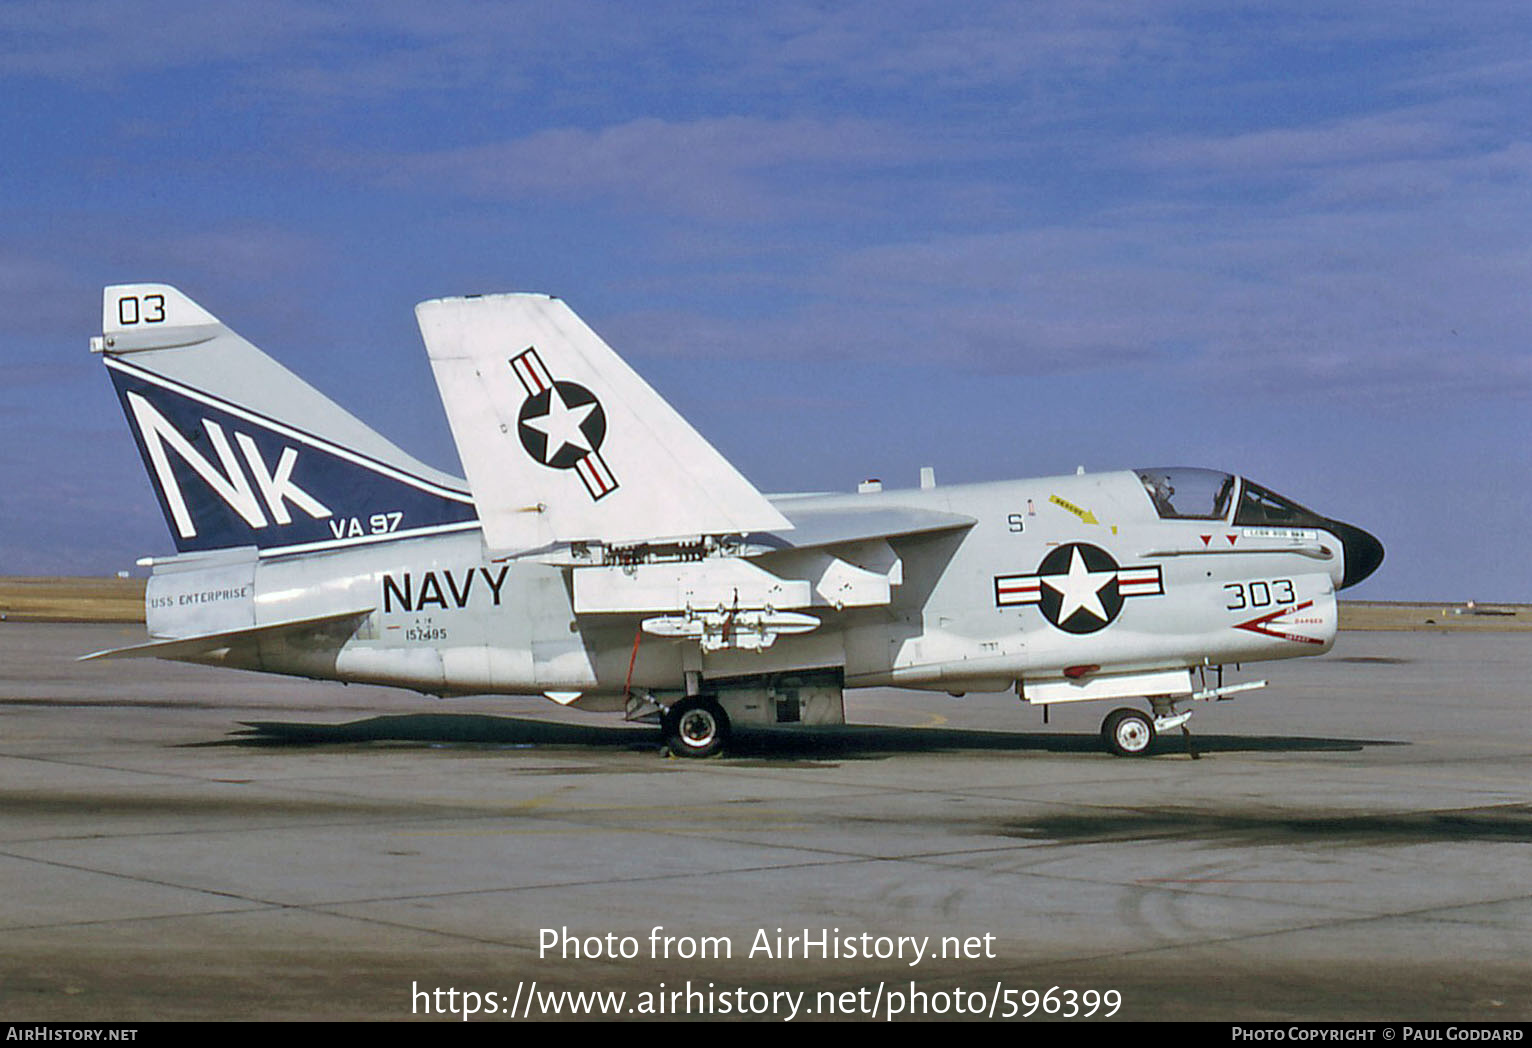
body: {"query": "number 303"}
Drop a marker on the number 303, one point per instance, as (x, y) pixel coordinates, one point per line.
(1259, 594)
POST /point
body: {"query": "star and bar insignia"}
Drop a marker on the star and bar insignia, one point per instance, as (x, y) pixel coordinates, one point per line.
(562, 425)
(1079, 587)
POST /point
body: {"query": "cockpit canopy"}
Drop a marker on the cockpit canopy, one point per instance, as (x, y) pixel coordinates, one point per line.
(1188, 493)
(1258, 506)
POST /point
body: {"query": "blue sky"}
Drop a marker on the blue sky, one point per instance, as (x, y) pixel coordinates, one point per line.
(1290, 240)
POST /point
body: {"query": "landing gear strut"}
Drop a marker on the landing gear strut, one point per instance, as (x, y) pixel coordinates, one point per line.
(696, 727)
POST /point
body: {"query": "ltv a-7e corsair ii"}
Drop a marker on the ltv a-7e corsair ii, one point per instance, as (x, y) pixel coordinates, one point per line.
(602, 554)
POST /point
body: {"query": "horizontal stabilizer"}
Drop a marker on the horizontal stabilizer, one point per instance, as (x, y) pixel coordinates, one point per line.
(564, 442)
(191, 647)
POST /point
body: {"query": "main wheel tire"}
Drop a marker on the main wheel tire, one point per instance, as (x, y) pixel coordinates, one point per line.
(1128, 732)
(696, 727)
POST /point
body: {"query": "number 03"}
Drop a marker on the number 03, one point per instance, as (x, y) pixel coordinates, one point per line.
(134, 310)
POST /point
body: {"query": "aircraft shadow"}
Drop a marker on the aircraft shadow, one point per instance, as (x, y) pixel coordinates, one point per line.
(844, 742)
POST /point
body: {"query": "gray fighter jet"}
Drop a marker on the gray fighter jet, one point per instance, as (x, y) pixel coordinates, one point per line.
(601, 553)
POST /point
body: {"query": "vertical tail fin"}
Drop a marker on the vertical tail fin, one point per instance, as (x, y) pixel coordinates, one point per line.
(564, 442)
(242, 452)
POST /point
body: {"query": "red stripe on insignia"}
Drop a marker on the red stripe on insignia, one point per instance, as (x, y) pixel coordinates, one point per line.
(530, 370)
(1011, 590)
(601, 470)
(583, 469)
(597, 476)
(1140, 582)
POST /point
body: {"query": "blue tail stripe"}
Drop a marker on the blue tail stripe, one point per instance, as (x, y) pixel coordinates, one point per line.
(226, 477)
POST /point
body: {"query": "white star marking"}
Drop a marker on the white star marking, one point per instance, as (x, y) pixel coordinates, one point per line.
(561, 425)
(1079, 589)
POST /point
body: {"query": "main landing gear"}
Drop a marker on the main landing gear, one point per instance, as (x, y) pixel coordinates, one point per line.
(695, 727)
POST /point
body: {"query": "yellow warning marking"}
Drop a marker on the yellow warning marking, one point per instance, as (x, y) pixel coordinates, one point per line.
(1084, 514)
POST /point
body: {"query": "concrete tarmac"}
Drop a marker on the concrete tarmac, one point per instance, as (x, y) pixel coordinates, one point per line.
(1352, 844)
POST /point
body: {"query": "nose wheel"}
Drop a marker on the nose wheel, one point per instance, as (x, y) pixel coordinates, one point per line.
(1128, 732)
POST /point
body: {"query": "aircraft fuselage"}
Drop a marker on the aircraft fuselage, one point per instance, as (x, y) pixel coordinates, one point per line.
(1054, 574)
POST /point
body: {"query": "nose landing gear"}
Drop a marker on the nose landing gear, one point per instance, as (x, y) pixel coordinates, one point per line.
(1128, 732)
(1132, 733)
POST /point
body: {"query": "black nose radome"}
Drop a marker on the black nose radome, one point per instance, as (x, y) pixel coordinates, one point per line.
(1363, 552)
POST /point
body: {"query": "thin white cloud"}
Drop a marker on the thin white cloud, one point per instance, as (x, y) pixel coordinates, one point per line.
(1336, 306)
(382, 48)
(725, 168)
(103, 39)
(42, 296)
(1358, 139)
